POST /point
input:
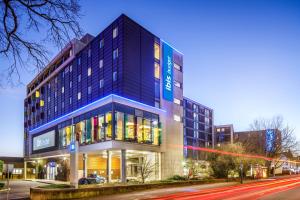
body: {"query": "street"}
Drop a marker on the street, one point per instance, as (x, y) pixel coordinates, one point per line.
(280, 188)
(19, 189)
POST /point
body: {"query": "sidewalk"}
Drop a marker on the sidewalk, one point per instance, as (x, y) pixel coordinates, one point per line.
(48, 181)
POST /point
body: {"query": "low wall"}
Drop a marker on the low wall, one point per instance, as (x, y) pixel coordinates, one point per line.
(70, 193)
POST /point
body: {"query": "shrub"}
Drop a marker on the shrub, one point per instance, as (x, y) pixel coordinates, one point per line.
(178, 178)
(1, 185)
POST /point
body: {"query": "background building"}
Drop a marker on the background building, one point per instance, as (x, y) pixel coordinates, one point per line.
(198, 128)
(223, 134)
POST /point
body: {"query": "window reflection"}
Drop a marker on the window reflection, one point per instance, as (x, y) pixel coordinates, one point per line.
(119, 125)
(129, 127)
(108, 123)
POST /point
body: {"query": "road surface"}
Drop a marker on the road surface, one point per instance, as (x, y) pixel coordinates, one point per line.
(277, 189)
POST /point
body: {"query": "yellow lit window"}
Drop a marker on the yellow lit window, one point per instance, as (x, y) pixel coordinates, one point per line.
(42, 103)
(156, 51)
(156, 70)
(37, 94)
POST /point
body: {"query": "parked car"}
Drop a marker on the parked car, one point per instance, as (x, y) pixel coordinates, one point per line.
(92, 179)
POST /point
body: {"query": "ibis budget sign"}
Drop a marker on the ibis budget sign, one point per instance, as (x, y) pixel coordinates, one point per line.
(167, 72)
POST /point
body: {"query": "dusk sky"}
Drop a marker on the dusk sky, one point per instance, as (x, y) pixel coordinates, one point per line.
(241, 58)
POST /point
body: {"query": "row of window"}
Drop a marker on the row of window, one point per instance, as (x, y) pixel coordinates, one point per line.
(99, 128)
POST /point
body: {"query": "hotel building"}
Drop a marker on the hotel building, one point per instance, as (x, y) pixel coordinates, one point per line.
(109, 104)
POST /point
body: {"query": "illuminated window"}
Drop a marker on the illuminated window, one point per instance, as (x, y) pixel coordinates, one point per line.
(129, 127)
(89, 53)
(37, 94)
(48, 99)
(70, 84)
(42, 103)
(55, 108)
(146, 130)
(70, 100)
(79, 78)
(101, 63)
(101, 130)
(101, 83)
(156, 70)
(177, 118)
(101, 43)
(63, 90)
(115, 53)
(90, 90)
(139, 130)
(177, 101)
(79, 95)
(155, 132)
(119, 125)
(63, 104)
(89, 71)
(115, 32)
(115, 76)
(71, 68)
(178, 67)
(55, 94)
(108, 128)
(156, 51)
(79, 61)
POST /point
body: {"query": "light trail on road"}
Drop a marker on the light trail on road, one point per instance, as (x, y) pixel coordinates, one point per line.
(248, 191)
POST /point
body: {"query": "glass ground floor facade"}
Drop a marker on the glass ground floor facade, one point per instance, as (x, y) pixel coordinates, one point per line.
(113, 165)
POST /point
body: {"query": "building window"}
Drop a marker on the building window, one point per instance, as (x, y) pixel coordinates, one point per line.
(115, 76)
(177, 84)
(42, 103)
(79, 61)
(37, 94)
(108, 129)
(63, 104)
(79, 78)
(101, 83)
(129, 127)
(49, 86)
(70, 100)
(70, 84)
(177, 118)
(79, 95)
(101, 63)
(101, 43)
(55, 80)
(55, 94)
(89, 71)
(90, 90)
(55, 108)
(178, 67)
(156, 70)
(156, 51)
(71, 68)
(177, 101)
(119, 117)
(115, 32)
(115, 54)
(89, 53)
(101, 129)
(48, 99)
(63, 90)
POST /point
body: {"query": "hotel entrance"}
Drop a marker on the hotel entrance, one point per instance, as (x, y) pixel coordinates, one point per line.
(51, 170)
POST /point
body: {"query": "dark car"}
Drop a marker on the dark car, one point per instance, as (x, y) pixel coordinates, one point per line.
(92, 179)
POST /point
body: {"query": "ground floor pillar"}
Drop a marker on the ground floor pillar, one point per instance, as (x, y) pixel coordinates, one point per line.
(74, 166)
(85, 166)
(25, 170)
(123, 166)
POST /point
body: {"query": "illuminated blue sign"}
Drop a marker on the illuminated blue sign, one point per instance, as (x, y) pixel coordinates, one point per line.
(167, 72)
(72, 147)
(270, 137)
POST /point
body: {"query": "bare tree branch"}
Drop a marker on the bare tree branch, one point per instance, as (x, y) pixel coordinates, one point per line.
(55, 20)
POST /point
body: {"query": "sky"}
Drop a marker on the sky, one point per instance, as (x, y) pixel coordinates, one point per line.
(241, 58)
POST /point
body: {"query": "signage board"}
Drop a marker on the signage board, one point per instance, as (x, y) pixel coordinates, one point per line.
(43, 141)
(167, 72)
(270, 139)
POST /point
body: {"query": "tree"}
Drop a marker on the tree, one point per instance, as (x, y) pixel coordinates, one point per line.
(282, 141)
(1, 166)
(223, 164)
(147, 168)
(56, 21)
